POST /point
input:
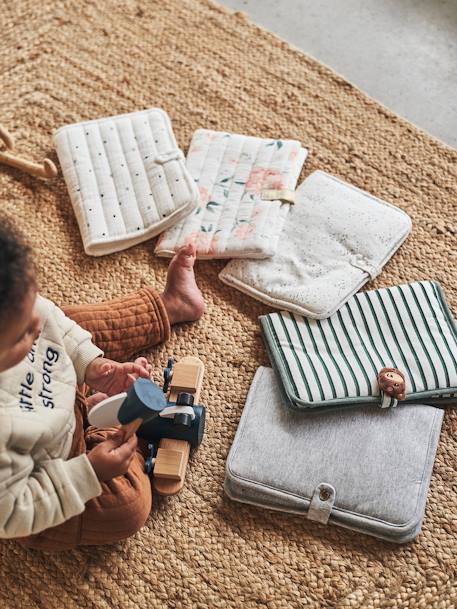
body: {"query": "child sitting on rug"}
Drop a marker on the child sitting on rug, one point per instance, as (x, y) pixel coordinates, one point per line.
(64, 483)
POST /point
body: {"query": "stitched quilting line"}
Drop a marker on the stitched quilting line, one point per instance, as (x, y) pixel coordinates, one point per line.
(224, 211)
(210, 216)
(271, 218)
(83, 127)
(184, 175)
(155, 152)
(105, 149)
(82, 211)
(130, 181)
(261, 148)
(244, 199)
(292, 170)
(241, 176)
(128, 130)
(278, 207)
(213, 216)
(193, 222)
(272, 205)
(198, 173)
(146, 152)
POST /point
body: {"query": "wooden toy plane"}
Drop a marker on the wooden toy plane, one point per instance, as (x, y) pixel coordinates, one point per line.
(45, 170)
(170, 419)
(173, 454)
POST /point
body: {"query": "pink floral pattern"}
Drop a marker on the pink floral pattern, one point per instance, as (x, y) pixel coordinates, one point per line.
(205, 242)
(244, 231)
(292, 155)
(204, 196)
(262, 178)
(231, 171)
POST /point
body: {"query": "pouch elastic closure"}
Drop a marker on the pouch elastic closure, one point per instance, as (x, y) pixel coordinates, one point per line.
(321, 503)
(285, 195)
(360, 262)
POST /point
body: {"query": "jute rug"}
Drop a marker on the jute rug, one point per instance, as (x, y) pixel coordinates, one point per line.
(68, 61)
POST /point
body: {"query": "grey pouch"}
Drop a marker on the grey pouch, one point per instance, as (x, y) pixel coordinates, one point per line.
(364, 469)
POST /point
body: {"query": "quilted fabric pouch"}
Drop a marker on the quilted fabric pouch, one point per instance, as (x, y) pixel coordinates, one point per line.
(246, 187)
(335, 362)
(126, 178)
(376, 483)
(335, 239)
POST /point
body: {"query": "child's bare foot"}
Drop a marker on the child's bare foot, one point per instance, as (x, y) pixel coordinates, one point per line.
(182, 298)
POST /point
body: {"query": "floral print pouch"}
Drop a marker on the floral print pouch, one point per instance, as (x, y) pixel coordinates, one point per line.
(246, 187)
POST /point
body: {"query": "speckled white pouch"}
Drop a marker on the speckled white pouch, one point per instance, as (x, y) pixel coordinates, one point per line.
(126, 178)
(334, 240)
(246, 187)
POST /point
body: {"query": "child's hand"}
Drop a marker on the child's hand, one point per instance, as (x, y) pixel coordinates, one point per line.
(111, 377)
(112, 457)
(95, 399)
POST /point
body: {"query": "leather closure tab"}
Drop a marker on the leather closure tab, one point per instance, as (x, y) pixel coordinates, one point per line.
(360, 262)
(172, 155)
(321, 503)
(284, 195)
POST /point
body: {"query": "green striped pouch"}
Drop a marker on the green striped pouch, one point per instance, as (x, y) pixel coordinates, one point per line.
(334, 362)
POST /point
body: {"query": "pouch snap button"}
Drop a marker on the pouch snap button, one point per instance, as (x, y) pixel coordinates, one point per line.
(324, 494)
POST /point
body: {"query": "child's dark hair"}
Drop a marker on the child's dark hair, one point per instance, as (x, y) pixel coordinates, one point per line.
(17, 271)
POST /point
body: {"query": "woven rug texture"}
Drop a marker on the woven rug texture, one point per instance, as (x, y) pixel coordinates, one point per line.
(62, 62)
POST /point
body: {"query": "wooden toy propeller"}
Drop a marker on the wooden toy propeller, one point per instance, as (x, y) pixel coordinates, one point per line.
(143, 401)
(46, 170)
(173, 455)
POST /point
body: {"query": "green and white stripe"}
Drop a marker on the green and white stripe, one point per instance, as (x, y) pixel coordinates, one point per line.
(335, 361)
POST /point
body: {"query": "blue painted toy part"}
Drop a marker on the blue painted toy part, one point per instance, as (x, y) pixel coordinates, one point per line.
(167, 374)
(166, 379)
(158, 428)
(144, 400)
(148, 464)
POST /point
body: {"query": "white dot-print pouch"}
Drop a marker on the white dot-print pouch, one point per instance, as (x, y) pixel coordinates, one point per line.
(246, 185)
(126, 178)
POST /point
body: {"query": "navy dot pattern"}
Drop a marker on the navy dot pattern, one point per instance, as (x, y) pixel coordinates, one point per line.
(129, 164)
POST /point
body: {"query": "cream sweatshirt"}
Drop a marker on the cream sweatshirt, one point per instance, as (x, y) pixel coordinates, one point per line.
(39, 486)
